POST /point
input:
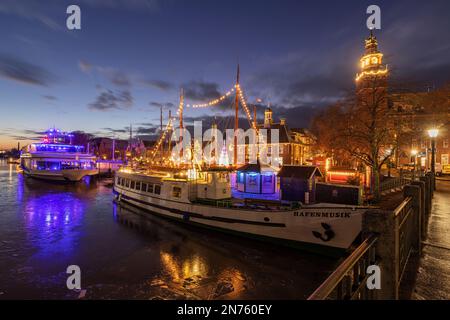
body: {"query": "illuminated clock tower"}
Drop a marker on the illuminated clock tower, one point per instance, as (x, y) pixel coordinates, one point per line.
(373, 73)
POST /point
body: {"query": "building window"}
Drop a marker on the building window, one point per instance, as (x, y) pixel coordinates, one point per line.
(144, 187)
(445, 143)
(138, 186)
(176, 192)
(252, 180)
(133, 185)
(127, 184)
(150, 188)
(157, 189)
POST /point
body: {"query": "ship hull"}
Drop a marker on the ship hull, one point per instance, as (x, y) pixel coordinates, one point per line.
(62, 175)
(327, 229)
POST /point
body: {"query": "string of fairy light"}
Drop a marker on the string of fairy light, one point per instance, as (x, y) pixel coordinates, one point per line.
(213, 102)
(161, 138)
(237, 88)
(244, 105)
(180, 106)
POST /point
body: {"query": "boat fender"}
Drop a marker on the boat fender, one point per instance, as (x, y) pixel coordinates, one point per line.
(329, 233)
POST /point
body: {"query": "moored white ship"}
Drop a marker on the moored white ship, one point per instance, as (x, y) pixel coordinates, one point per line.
(55, 159)
(204, 198)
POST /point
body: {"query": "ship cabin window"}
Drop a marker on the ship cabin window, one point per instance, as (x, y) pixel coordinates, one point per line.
(127, 183)
(150, 188)
(138, 186)
(157, 189)
(133, 185)
(267, 179)
(176, 192)
(224, 177)
(144, 187)
(48, 165)
(118, 181)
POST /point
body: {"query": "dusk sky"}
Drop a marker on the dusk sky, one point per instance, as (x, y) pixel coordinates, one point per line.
(132, 56)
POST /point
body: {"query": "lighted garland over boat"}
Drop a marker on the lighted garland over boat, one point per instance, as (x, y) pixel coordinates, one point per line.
(56, 158)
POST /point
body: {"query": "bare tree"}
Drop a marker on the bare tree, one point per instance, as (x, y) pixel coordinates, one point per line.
(361, 127)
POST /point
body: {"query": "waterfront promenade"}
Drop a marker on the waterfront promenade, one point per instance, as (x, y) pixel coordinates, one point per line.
(433, 278)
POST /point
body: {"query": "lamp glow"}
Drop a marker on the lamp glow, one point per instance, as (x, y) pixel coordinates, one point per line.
(433, 133)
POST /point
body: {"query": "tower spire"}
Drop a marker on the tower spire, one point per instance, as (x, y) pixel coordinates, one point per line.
(371, 63)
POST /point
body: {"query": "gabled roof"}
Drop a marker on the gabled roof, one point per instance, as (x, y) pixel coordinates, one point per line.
(255, 167)
(300, 172)
(283, 130)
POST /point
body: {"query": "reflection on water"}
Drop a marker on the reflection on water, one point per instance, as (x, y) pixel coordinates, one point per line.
(126, 253)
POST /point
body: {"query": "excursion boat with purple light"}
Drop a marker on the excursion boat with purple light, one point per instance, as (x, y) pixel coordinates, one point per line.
(56, 158)
(205, 198)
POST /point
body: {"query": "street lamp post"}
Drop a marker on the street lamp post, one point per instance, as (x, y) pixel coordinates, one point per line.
(433, 133)
(414, 154)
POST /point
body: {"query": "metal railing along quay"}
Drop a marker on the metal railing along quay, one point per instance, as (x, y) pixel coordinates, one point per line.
(391, 239)
(394, 184)
(348, 281)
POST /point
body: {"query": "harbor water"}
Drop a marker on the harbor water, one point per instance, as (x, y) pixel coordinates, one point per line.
(124, 253)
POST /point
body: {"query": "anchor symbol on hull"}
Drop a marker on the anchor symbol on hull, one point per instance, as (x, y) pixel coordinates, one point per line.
(329, 233)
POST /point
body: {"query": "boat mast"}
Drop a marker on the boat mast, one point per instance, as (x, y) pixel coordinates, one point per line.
(113, 149)
(236, 117)
(180, 109)
(161, 129)
(170, 139)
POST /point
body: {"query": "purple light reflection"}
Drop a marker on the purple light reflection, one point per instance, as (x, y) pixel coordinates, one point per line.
(52, 225)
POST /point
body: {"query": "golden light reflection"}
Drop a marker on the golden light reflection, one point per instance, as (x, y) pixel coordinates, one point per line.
(186, 268)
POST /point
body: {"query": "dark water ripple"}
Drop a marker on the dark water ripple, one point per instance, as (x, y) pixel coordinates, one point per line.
(125, 253)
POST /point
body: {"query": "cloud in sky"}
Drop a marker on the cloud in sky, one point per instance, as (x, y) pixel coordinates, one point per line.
(50, 97)
(31, 10)
(159, 84)
(166, 106)
(85, 66)
(116, 77)
(15, 69)
(201, 90)
(109, 100)
(48, 14)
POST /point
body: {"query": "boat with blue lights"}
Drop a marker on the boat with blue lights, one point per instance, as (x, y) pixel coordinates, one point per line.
(56, 158)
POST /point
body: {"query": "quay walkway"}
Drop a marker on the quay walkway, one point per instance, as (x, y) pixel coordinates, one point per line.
(407, 238)
(433, 277)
